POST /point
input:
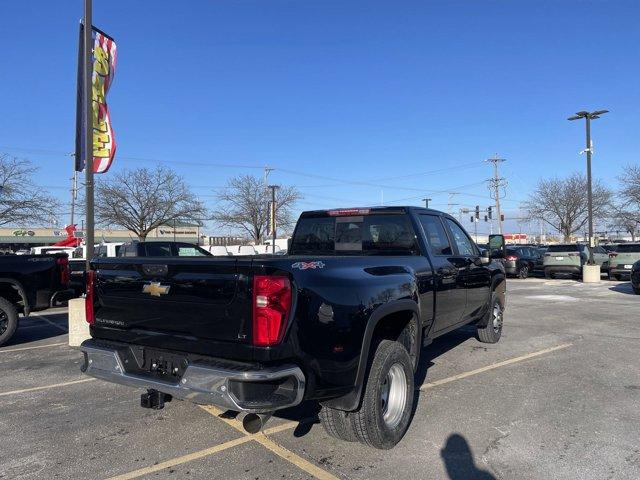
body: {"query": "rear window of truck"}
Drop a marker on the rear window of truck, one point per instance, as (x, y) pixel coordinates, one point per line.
(354, 235)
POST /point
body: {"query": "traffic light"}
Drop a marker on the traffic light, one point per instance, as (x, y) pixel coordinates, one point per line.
(486, 218)
(490, 212)
(502, 217)
(472, 219)
(478, 211)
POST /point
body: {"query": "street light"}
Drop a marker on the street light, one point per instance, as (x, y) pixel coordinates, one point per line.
(588, 116)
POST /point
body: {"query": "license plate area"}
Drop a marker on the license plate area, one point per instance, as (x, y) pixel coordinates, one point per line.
(628, 267)
(559, 258)
(156, 364)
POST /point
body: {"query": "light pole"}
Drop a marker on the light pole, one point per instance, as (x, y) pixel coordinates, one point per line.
(588, 116)
(426, 202)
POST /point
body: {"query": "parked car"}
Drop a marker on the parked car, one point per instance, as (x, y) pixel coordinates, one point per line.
(29, 283)
(522, 261)
(635, 277)
(621, 261)
(162, 249)
(78, 262)
(341, 319)
(569, 259)
(610, 247)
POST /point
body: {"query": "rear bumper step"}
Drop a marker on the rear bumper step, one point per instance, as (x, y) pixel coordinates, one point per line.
(253, 391)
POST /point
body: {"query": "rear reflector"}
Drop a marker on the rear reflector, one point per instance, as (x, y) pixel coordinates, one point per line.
(90, 297)
(271, 307)
(347, 212)
(613, 255)
(511, 258)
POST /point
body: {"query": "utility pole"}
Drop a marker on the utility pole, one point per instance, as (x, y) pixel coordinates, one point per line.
(74, 195)
(495, 184)
(273, 217)
(267, 171)
(451, 203)
(88, 142)
(426, 202)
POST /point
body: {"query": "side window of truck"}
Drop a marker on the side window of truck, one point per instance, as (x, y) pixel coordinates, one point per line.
(435, 235)
(461, 239)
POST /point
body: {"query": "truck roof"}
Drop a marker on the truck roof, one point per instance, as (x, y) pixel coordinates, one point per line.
(368, 211)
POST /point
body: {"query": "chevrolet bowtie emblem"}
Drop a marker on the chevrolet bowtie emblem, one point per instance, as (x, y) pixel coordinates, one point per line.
(155, 289)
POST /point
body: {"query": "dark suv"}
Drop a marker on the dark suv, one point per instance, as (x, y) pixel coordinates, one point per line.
(522, 260)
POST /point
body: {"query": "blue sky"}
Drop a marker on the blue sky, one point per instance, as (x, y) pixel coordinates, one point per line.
(332, 92)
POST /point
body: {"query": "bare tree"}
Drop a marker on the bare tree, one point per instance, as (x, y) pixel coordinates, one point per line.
(20, 199)
(626, 220)
(141, 200)
(562, 203)
(626, 212)
(245, 205)
(630, 182)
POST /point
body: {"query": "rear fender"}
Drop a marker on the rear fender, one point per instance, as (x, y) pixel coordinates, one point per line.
(351, 401)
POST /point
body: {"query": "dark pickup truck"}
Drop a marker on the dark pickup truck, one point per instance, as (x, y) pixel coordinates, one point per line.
(29, 283)
(340, 320)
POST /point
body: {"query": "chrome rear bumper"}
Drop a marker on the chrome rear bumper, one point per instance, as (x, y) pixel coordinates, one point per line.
(203, 384)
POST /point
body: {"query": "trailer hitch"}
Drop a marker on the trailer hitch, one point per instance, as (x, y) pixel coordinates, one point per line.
(154, 399)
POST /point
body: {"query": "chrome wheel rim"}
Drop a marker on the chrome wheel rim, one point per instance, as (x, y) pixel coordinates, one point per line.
(524, 272)
(497, 318)
(393, 395)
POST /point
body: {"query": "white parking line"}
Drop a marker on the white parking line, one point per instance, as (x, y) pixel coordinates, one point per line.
(46, 387)
(426, 386)
(21, 349)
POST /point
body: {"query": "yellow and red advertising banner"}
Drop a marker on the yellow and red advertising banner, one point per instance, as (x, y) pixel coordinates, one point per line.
(103, 70)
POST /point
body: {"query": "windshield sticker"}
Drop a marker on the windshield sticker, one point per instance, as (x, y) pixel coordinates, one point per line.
(308, 265)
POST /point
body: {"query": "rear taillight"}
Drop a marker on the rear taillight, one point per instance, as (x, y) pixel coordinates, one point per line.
(613, 255)
(271, 307)
(89, 298)
(63, 263)
(511, 258)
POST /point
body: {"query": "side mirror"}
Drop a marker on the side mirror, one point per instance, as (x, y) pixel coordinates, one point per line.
(497, 246)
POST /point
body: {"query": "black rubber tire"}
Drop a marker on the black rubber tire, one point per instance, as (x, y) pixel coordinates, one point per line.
(523, 272)
(548, 275)
(370, 426)
(636, 290)
(8, 310)
(338, 424)
(488, 333)
(616, 277)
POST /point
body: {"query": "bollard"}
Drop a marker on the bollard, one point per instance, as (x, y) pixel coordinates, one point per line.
(590, 273)
(78, 326)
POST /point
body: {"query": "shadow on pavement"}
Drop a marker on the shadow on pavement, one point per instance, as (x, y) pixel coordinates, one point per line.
(458, 460)
(623, 288)
(32, 329)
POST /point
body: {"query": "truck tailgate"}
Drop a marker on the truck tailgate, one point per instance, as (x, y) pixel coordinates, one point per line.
(185, 297)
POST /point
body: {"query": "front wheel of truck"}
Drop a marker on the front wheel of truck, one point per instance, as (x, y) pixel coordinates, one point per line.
(8, 320)
(387, 401)
(492, 331)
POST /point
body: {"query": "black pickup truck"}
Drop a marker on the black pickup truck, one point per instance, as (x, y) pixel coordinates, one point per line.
(29, 283)
(340, 320)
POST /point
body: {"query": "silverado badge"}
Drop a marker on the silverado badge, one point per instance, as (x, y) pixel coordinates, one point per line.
(155, 289)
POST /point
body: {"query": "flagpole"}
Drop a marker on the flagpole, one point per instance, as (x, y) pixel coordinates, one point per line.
(88, 161)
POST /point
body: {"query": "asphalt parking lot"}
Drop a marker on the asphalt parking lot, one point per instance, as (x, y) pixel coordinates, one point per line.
(558, 397)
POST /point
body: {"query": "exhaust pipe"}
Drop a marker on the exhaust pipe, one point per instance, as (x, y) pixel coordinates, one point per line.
(254, 422)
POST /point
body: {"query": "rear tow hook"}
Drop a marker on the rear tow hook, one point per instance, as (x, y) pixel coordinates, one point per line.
(254, 422)
(154, 399)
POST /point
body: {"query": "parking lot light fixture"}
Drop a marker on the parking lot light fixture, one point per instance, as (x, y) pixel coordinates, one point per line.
(588, 116)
